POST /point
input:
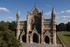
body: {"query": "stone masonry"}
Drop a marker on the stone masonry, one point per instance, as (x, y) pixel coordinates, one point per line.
(36, 29)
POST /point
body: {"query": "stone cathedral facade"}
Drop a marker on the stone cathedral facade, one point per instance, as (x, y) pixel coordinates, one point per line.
(36, 29)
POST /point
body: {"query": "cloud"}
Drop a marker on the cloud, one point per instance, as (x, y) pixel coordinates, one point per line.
(47, 13)
(9, 18)
(63, 17)
(48, 5)
(67, 11)
(4, 9)
(61, 12)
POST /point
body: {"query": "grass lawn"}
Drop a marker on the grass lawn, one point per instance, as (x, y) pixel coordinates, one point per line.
(57, 41)
(65, 37)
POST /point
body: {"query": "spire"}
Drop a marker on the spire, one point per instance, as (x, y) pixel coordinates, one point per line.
(53, 11)
(18, 12)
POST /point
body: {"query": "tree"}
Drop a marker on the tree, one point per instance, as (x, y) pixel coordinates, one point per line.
(7, 36)
(12, 26)
(8, 39)
(68, 26)
(61, 27)
(3, 26)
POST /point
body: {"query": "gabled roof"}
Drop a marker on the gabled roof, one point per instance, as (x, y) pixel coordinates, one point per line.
(35, 9)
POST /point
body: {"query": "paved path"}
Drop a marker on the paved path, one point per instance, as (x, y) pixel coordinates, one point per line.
(37, 45)
(59, 45)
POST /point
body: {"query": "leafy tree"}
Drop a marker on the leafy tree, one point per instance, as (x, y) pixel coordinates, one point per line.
(12, 26)
(8, 39)
(7, 36)
(68, 26)
(3, 26)
(61, 27)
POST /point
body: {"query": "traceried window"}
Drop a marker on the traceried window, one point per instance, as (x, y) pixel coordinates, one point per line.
(36, 19)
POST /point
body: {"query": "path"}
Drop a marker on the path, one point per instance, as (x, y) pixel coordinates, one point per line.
(37, 45)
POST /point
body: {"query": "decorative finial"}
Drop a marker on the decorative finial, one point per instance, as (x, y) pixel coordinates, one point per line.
(35, 4)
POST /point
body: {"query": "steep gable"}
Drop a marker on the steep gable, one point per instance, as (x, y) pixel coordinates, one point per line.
(35, 9)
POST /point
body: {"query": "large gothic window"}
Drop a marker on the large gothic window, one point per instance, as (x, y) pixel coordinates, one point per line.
(36, 19)
(35, 22)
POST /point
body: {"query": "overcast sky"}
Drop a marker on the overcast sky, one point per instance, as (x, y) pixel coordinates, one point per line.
(8, 9)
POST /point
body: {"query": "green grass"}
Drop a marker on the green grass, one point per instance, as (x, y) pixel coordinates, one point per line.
(57, 41)
(65, 37)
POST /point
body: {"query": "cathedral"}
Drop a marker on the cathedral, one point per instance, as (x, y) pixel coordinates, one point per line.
(36, 29)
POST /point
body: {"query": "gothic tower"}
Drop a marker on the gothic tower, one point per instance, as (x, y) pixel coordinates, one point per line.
(18, 24)
(53, 15)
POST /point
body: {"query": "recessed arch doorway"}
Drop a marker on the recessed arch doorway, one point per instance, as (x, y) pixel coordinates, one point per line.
(46, 39)
(24, 38)
(35, 38)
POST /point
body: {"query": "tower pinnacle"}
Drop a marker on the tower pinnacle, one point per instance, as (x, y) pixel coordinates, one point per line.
(18, 13)
(53, 11)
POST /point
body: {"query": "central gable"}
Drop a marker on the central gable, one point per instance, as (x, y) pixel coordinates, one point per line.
(35, 10)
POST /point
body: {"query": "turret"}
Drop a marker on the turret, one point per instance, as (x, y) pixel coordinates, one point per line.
(18, 15)
(53, 11)
(53, 21)
(53, 14)
(18, 24)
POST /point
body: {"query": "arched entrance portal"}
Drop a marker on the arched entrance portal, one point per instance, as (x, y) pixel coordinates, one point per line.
(24, 38)
(47, 39)
(35, 38)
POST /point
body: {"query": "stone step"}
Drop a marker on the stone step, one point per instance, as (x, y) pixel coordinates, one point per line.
(37, 45)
